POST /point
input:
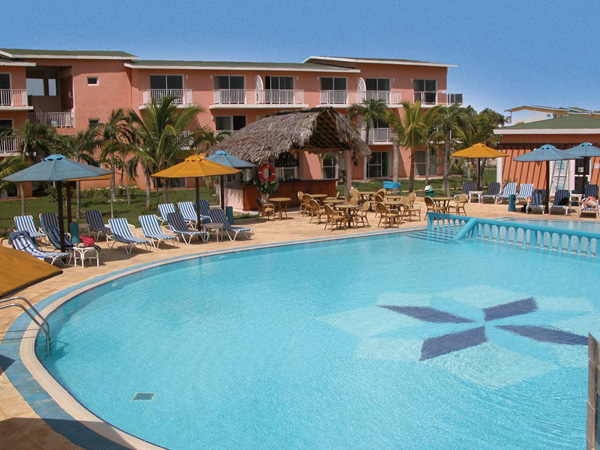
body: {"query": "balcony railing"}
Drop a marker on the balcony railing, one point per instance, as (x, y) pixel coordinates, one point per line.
(53, 119)
(10, 145)
(454, 99)
(335, 97)
(258, 97)
(13, 98)
(438, 98)
(389, 97)
(380, 135)
(182, 96)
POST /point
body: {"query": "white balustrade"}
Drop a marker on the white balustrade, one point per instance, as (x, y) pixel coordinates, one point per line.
(380, 135)
(13, 98)
(53, 119)
(334, 97)
(182, 96)
(279, 97)
(10, 145)
(230, 96)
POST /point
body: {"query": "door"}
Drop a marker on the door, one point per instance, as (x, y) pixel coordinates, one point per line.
(5, 93)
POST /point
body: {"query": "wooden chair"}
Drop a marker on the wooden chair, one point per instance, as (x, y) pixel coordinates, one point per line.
(265, 209)
(381, 192)
(334, 218)
(389, 217)
(432, 207)
(361, 215)
(316, 210)
(377, 199)
(302, 206)
(353, 200)
(306, 198)
(414, 205)
(408, 210)
(459, 205)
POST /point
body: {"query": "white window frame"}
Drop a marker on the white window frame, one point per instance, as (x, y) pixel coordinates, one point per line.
(97, 83)
(230, 76)
(335, 167)
(231, 121)
(167, 75)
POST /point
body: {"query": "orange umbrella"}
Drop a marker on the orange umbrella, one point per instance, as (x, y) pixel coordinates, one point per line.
(479, 151)
(19, 269)
(196, 166)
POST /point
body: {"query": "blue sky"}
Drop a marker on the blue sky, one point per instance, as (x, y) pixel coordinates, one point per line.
(509, 52)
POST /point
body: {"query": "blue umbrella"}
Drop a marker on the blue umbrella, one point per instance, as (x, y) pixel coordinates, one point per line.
(223, 157)
(546, 153)
(57, 168)
(586, 151)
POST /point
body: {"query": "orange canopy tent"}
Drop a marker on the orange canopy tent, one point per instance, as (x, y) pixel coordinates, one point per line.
(19, 269)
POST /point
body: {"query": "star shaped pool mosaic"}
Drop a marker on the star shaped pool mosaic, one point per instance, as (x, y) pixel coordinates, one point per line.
(490, 336)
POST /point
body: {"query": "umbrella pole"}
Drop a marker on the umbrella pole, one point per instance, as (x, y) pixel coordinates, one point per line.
(222, 192)
(478, 173)
(61, 217)
(548, 186)
(69, 209)
(198, 203)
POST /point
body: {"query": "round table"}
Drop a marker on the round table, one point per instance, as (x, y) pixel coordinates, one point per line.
(281, 205)
(319, 197)
(442, 202)
(334, 201)
(348, 211)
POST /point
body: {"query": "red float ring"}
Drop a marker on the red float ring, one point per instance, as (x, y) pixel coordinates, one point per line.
(270, 173)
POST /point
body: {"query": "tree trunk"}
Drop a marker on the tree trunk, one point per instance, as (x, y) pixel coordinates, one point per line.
(22, 189)
(427, 157)
(446, 181)
(148, 190)
(127, 192)
(78, 200)
(411, 178)
(365, 178)
(395, 161)
(112, 190)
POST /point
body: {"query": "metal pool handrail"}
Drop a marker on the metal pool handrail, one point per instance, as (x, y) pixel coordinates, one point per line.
(558, 239)
(34, 316)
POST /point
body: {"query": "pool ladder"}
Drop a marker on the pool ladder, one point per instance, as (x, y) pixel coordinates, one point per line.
(33, 314)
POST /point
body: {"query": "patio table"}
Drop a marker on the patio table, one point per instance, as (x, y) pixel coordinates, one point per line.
(442, 202)
(281, 205)
(348, 211)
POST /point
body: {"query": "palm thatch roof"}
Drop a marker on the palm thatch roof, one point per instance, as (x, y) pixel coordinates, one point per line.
(314, 130)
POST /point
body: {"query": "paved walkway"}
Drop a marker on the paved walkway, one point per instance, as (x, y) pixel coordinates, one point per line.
(22, 428)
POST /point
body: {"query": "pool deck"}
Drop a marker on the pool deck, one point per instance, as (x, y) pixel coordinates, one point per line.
(22, 428)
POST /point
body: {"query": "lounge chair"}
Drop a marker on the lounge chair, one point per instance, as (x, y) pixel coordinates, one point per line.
(94, 219)
(218, 215)
(178, 226)
(459, 204)
(25, 223)
(122, 233)
(21, 240)
(49, 220)
(493, 191)
(561, 202)
(164, 209)
(591, 190)
(188, 211)
(79, 253)
(525, 193)
(468, 186)
(205, 210)
(152, 231)
(509, 189)
(537, 201)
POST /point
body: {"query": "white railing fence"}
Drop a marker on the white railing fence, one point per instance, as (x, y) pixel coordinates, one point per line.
(182, 96)
(334, 98)
(380, 135)
(10, 144)
(53, 119)
(13, 97)
(230, 96)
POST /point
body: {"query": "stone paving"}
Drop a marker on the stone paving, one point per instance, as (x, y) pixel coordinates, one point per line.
(22, 428)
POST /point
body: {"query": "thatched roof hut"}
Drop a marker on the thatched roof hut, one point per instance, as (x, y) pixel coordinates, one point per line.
(314, 130)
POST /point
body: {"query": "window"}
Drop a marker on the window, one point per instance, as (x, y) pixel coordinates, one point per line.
(229, 82)
(6, 96)
(92, 81)
(286, 166)
(334, 91)
(279, 82)
(330, 166)
(380, 132)
(378, 84)
(421, 164)
(92, 122)
(425, 91)
(166, 82)
(5, 123)
(279, 90)
(230, 90)
(378, 166)
(230, 123)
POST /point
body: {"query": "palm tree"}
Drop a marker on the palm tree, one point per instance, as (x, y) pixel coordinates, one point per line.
(160, 133)
(35, 142)
(203, 139)
(80, 148)
(448, 119)
(371, 110)
(116, 143)
(411, 130)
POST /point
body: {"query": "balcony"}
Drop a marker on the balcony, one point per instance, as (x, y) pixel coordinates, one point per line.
(258, 97)
(389, 97)
(10, 145)
(336, 97)
(53, 119)
(14, 99)
(380, 136)
(183, 97)
(432, 98)
(345, 98)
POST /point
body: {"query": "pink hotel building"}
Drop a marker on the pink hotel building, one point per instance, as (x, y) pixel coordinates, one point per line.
(71, 89)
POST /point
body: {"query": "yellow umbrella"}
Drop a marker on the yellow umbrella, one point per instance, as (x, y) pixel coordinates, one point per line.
(19, 269)
(196, 166)
(479, 151)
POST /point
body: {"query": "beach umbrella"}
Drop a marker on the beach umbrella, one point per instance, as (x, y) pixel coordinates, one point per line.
(57, 168)
(479, 151)
(585, 151)
(196, 166)
(546, 153)
(19, 269)
(223, 157)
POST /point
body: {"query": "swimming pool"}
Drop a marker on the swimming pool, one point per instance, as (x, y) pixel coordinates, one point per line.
(379, 342)
(579, 225)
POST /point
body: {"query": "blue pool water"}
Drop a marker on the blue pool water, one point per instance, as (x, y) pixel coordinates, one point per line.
(384, 342)
(578, 225)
